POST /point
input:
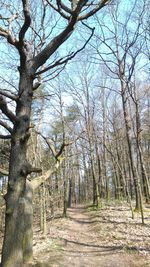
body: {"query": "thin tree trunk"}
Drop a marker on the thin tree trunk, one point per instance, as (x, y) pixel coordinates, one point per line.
(145, 180)
(70, 193)
(65, 190)
(127, 127)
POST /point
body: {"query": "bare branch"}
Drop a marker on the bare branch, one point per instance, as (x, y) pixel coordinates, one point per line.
(8, 35)
(9, 114)
(3, 32)
(57, 41)
(6, 126)
(56, 72)
(58, 10)
(64, 7)
(5, 137)
(27, 20)
(37, 181)
(35, 169)
(49, 142)
(41, 179)
(67, 144)
(67, 58)
(9, 95)
(99, 6)
(36, 85)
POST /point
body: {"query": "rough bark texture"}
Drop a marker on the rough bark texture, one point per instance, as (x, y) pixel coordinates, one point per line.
(17, 198)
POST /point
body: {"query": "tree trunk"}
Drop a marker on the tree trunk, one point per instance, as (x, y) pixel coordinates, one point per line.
(146, 186)
(70, 193)
(18, 219)
(43, 223)
(127, 127)
(28, 223)
(65, 190)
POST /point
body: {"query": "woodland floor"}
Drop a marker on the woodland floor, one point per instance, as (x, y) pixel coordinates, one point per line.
(93, 238)
(89, 238)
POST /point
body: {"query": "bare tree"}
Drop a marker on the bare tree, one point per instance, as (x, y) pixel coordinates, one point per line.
(34, 49)
(122, 50)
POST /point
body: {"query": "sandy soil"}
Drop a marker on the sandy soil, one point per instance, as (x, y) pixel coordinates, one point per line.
(94, 239)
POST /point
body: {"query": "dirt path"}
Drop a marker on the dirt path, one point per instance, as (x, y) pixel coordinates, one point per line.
(74, 242)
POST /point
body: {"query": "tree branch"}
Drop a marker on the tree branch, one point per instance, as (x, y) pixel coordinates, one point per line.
(9, 95)
(50, 145)
(6, 111)
(36, 85)
(27, 20)
(57, 41)
(99, 6)
(64, 7)
(67, 58)
(63, 61)
(27, 169)
(8, 35)
(5, 137)
(6, 126)
(58, 10)
(41, 179)
(35, 169)
(37, 181)
(67, 144)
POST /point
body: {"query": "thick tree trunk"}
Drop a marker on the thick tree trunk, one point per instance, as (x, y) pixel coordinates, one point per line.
(28, 224)
(18, 218)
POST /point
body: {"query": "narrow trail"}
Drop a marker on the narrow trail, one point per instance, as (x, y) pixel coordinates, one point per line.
(76, 243)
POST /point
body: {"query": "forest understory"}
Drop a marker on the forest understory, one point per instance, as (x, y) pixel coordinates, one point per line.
(106, 237)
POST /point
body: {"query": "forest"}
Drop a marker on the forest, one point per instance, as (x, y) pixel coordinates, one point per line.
(75, 133)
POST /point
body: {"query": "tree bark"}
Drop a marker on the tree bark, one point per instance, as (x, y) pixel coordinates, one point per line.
(17, 202)
(127, 128)
(146, 185)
